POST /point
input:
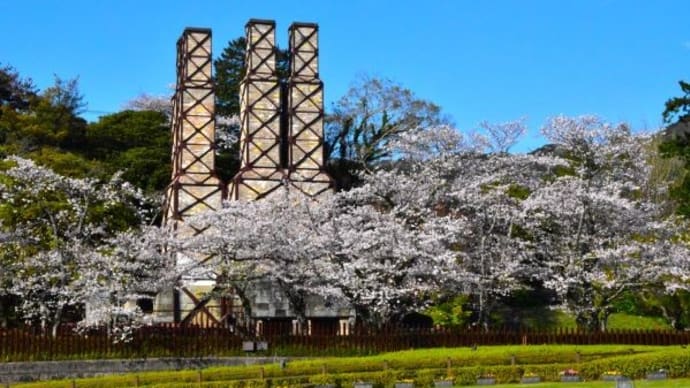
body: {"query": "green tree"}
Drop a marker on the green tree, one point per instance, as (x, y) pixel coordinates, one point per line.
(360, 125)
(230, 69)
(68, 163)
(44, 126)
(54, 118)
(450, 311)
(676, 145)
(673, 307)
(135, 142)
(371, 113)
(677, 109)
(15, 92)
(16, 96)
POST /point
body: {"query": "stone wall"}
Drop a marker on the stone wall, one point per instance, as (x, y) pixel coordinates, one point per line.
(45, 370)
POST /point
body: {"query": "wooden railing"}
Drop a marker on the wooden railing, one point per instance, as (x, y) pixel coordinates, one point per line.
(179, 341)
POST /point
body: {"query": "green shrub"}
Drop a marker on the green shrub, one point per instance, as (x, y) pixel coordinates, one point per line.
(675, 361)
(423, 366)
(426, 377)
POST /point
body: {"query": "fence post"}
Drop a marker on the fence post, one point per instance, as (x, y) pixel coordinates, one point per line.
(136, 380)
(74, 384)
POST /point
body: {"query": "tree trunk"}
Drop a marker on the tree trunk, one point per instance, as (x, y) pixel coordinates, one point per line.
(297, 300)
(3, 312)
(246, 309)
(592, 320)
(603, 320)
(482, 318)
(587, 320)
(56, 322)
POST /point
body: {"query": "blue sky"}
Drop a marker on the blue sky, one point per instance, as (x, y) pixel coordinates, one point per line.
(479, 60)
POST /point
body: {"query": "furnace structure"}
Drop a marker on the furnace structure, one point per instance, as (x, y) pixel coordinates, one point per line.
(281, 146)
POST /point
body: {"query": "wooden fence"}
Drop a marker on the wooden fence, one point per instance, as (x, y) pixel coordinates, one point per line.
(172, 341)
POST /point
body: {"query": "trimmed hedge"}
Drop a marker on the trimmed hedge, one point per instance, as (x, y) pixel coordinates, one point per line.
(423, 366)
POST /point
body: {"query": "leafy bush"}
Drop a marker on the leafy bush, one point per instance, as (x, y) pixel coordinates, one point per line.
(675, 361)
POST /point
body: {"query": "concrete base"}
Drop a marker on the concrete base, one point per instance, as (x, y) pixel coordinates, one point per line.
(11, 372)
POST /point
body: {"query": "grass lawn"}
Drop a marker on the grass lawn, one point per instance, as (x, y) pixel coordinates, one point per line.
(676, 383)
(616, 321)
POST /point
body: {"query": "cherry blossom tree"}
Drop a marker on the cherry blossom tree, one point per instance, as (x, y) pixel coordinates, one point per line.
(581, 219)
(501, 137)
(57, 232)
(8, 258)
(145, 101)
(273, 241)
(448, 214)
(449, 172)
(596, 235)
(387, 265)
(489, 191)
(343, 251)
